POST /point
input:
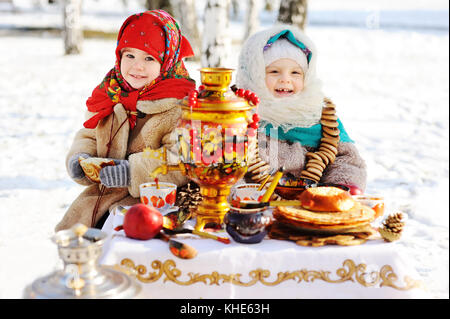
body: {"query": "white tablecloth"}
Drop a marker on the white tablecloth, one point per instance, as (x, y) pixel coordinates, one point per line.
(270, 269)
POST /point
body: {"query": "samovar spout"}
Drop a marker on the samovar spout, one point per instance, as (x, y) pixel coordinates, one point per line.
(158, 171)
(164, 169)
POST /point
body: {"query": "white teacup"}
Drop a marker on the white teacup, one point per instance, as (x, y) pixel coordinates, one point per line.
(247, 191)
(376, 202)
(162, 198)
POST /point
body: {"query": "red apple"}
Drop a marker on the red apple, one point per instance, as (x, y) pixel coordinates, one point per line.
(354, 190)
(142, 222)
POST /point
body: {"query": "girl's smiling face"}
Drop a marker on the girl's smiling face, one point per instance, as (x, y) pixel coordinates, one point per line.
(138, 67)
(284, 77)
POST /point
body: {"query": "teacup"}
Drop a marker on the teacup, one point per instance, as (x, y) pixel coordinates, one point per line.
(162, 197)
(373, 201)
(247, 192)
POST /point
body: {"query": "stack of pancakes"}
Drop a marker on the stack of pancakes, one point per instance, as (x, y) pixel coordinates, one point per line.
(328, 209)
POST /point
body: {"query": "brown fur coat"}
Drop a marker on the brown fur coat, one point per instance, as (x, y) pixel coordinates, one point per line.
(154, 131)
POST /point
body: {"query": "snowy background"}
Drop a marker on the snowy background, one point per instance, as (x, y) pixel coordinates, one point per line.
(384, 63)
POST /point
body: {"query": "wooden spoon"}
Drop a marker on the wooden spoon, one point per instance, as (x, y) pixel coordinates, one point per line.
(224, 240)
(178, 249)
(273, 185)
(255, 204)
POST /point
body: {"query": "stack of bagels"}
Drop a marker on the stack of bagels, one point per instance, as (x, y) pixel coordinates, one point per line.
(328, 148)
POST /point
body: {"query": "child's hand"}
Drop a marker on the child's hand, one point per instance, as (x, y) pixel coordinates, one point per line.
(117, 175)
(74, 167)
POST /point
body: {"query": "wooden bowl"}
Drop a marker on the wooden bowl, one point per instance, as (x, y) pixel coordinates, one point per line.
(291, 188)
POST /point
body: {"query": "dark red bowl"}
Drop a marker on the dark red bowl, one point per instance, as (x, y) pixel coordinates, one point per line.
(287, 191)
(290, 187)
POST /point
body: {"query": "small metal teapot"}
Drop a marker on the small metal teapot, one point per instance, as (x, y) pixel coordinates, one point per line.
(80, 248)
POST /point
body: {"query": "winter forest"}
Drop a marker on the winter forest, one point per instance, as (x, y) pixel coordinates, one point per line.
(384, 63)
(213, 47)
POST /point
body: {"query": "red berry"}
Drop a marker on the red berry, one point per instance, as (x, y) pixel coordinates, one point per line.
(201, 87)
(193, 94)
(255, 117)
(247, 93)
(254, 125)
(251, 96)
(240, 92)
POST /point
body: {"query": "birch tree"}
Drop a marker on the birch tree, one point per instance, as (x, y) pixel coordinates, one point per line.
(252, 20)
(293, 12)
(216, 43)
(235, 8)
(72, 29)
(185, 14)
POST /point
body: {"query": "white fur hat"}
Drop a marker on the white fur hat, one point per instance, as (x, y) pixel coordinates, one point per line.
(282, 48)
(251, 69)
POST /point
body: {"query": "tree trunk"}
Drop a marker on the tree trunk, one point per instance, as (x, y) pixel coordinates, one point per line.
(159, 4)
(252, 21)
(235, 8)
(293, 12)
(73, 31)
(185, 14)
(216, 45)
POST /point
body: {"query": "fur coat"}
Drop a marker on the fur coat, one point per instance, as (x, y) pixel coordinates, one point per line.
(302, 110)
(153, 131)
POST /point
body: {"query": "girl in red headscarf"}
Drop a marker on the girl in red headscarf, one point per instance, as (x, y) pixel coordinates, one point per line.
(133, 108)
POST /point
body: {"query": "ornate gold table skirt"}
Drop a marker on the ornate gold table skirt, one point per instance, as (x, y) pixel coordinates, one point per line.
(270, 269)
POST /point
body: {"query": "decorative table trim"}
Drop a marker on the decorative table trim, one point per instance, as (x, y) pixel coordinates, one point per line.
(350, 271)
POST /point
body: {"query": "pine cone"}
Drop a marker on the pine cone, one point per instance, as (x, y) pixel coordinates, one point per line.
(188, 198)
(392, 227)
(394, 218)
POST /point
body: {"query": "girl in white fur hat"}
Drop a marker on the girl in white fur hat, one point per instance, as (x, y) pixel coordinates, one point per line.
(298, 127)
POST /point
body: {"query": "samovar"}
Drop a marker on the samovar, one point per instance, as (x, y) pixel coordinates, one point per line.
(82, 277)
(212, 135)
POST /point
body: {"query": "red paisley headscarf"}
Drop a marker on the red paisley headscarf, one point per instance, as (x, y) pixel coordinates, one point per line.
(158, 34)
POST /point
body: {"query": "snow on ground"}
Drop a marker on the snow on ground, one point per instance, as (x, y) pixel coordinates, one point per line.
(390, 87)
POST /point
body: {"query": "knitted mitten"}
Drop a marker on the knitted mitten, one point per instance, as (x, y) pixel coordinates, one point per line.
(117, 175)
(74, 167)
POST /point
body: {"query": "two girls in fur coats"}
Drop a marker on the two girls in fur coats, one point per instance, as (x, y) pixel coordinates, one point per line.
(136, 106)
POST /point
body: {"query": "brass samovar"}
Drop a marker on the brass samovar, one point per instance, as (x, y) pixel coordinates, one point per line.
(213, 134)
